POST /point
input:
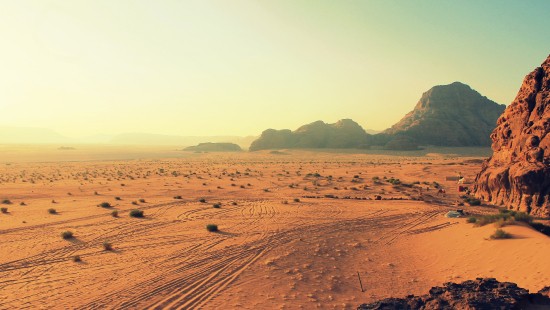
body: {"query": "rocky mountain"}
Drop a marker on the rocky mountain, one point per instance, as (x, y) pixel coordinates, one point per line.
(482, 293)
(343, 134)
(446, 115)
(449, 115)
(214, 147)
(517, 175)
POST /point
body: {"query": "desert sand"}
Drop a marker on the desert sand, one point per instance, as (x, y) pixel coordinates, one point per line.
(284, 242)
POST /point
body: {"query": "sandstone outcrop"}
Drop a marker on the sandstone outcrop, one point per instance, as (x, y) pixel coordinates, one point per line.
(517, 175)
(482, 293)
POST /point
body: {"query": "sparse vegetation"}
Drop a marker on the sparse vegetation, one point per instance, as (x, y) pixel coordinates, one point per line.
(212, 227)
(503, 218)
(178, 197)
(217, 205)
(6, 202)
(52, 211)
(136, 213)
(500, 234)
(107, 246)
(142, 200)
(114, 213)
(4, 210)
(472, 220)
(67, 235)
(472, 201)
(77, 259)
(105, 205)
(202, 200)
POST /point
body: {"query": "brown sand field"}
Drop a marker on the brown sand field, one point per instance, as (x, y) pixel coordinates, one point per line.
(284, 241)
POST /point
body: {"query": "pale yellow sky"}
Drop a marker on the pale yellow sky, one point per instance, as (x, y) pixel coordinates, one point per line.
(239, 67)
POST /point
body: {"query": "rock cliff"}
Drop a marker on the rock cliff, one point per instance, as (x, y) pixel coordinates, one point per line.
(517, 175)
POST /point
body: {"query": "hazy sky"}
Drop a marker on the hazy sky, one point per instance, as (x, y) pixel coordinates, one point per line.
(238, 67)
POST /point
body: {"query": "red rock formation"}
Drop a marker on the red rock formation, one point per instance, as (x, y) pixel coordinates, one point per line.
(481, 293)
(517, 175)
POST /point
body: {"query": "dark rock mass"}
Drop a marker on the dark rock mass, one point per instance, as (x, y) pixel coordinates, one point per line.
(450, 115)
(214, 147)
(482, 293)
(517, 175)
(343, 134)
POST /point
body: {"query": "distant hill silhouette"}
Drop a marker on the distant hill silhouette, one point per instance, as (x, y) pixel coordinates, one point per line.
(343, 134)
(446, 115)
(450, 115)
(214, 147)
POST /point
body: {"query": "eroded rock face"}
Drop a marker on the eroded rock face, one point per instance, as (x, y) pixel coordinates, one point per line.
(481, 293)
(450, 115)
(517, 175)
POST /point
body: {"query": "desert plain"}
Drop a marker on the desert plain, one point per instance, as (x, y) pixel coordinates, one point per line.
(297, 229)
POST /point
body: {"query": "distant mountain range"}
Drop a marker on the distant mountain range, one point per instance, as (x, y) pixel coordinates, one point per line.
(446, 115)
(28, 135)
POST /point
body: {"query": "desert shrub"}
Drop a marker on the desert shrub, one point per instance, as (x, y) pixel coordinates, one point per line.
(523, 217)
(394, 181)
(212, 227)
(234, 203)
(285, 202)
(178, 197)
(296, 200)
(67, 235)
(118, 198)
(217, 205)
(107, 246)
(135, 203)
(4, 210)
(52, 211)
(472, 201)
(500, 234)
(6, 202)
(471, 220)
(491, 218)
(142, 200)
(136, 213)
(22, 203)
(105, 205)
(202, 200)
(114, 213)
(77, 259)
(503, 221)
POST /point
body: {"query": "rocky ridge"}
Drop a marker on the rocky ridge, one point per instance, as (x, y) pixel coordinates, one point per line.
(482, 293)
(517, 175)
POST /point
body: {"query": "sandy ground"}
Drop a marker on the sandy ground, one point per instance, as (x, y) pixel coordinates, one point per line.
(283, 243)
